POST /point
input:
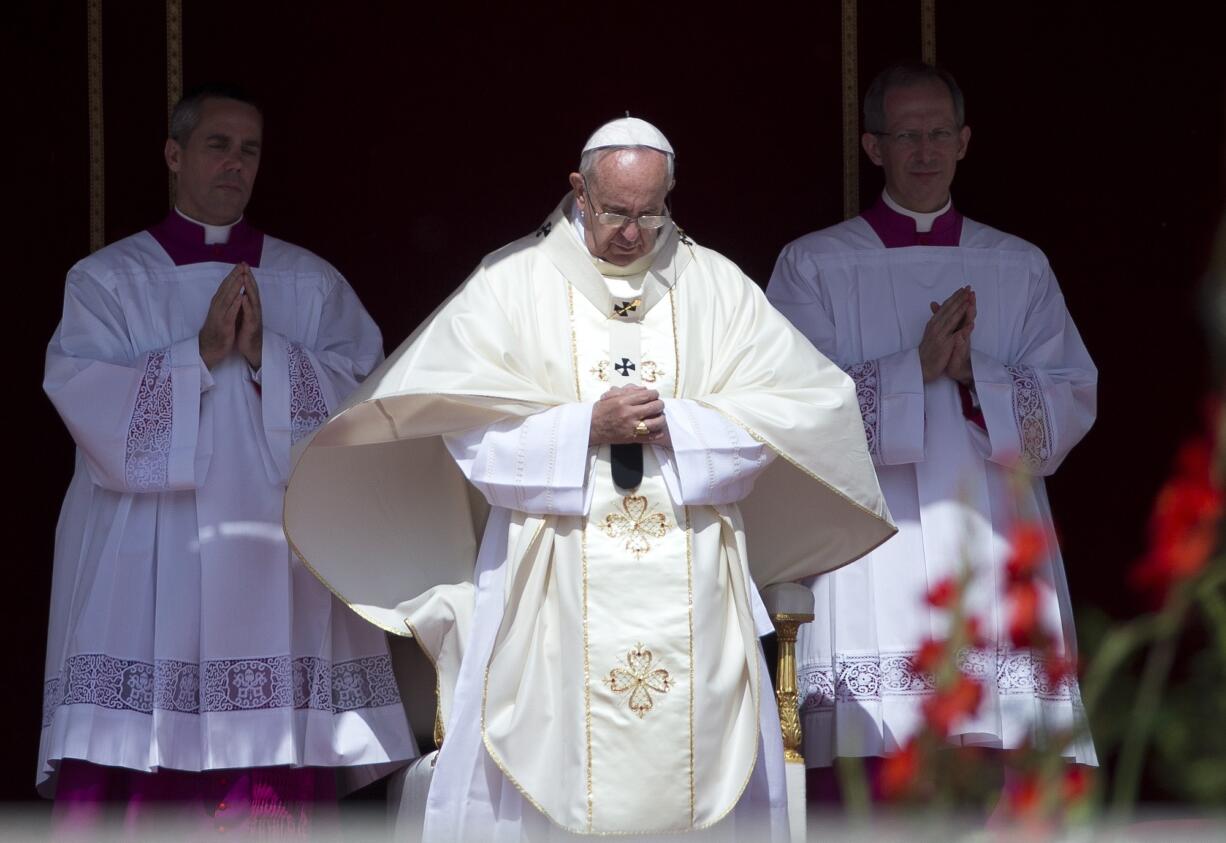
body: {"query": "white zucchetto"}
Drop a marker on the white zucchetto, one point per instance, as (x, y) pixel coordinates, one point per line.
(628, 131)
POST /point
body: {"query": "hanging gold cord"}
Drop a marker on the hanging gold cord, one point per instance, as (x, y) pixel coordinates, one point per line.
(928, 31)
(174, 68)
(851, 121)
(97, 172)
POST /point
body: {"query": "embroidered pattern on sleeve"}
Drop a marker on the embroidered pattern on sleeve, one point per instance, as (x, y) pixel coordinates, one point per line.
(867, 376)
(147, 456)
(307, 408)
(1033, 421)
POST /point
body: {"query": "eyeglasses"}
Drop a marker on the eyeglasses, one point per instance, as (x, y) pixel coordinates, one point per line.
(647, 222)
(910, 138)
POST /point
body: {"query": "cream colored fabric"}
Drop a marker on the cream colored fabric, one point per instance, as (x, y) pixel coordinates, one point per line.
(660, 595)
(377, 510)
(440, 621)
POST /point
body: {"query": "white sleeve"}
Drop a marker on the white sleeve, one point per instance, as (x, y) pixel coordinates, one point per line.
(1039, 404)
(538, 464)
(889, 389)
(713, 460)
(301, 384)
(141, 417)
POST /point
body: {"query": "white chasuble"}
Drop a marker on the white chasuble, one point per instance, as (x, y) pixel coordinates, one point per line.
(658, 685)
(622, 690)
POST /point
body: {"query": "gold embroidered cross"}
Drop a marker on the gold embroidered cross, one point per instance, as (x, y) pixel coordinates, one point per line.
(639, 678)
(636, 524)
(627, 307)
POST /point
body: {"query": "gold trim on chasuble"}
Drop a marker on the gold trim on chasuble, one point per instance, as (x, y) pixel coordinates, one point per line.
(689, 581)
(587, 665)
(439, 729)
(640, 675)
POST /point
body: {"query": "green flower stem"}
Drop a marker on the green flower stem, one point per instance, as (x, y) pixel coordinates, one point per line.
(1115, 648)
(853, 788)
(1214, 604)
(1149, 696)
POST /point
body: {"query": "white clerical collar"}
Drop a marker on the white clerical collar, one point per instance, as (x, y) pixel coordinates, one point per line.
(923, 222)
(604, 267)
(212, 233)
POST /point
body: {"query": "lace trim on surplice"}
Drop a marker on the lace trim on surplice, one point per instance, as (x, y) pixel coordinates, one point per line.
(867, 376)
(307, 408)
(1033, 421)
(228, 685)
(871, 678)
(147, 453)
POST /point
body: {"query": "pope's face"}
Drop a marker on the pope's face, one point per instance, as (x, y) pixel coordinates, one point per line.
(921, 146)
(215, 166)
(631, 182)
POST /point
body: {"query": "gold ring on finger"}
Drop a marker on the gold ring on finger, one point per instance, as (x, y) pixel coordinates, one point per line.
(640, 429)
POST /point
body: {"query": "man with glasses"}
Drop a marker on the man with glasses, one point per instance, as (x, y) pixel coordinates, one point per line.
(974, 385)
(613, 390)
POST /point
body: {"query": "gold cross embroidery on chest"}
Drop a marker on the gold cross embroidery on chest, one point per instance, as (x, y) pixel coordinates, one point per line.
(635, 524)
(649, 371)
(639, 677)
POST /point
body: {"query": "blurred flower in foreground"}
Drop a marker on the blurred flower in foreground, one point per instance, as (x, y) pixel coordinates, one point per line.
(900, 771)
(1183, 525)
(911, 772)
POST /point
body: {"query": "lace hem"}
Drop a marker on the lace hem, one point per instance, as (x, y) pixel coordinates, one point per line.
(1033, 421)
(228, 685)
(147, 455)
(867, 376)
(876, 677)
(307, 408)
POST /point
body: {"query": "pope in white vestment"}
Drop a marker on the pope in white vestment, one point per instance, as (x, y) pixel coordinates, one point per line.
(183, 635)
(611, 680)
(946, 452)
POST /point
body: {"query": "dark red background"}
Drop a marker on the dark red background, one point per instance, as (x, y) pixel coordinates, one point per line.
(403, 143)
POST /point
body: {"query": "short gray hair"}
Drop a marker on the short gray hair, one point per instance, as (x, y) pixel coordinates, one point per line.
(186, 114)
(590, 159)
(904, 76)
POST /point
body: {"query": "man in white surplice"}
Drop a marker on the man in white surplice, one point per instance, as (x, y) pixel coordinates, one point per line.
(184, 640)
(967, 367)
(613, 390)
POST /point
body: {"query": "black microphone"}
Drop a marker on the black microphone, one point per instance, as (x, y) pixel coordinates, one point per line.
(627, 464)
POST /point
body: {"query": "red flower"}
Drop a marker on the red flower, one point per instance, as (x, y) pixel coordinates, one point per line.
(1027, 543)
(974, 637)
(1183, 525)
(1024, 796)
(1059, 668)
(943, 594)
(930, 654)
(899, 771)
(1024, 614)
(1077, 782)
(949, 706)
